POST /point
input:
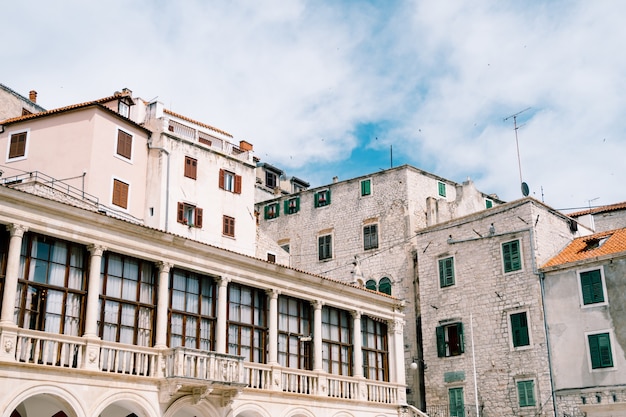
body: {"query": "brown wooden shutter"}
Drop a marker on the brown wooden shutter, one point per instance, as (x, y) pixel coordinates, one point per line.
(191, 167)
(120, 194)
(198, 217)
(181, 213)
(124, 144)
(237, 184)
(18, 145)
(221, 179)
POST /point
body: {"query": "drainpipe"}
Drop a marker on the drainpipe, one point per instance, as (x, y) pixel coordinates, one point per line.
(545, 325)
(167, 182)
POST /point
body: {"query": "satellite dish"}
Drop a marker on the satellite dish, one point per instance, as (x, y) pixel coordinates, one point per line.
(525, 189)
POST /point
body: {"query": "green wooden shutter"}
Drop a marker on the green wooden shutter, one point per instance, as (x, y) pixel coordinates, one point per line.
(591, 285)
(384, 285)
(442, 189)
(366, 188)
(328, 197)
(370, 285)
(519, 329)
(459, 329)
(267, 212)
(526, 393)
(511, 255)
(600, 351)
(441, 341)
(457, 408)
(286, 207)
(488, 204)
(317, 199)
(446, 272)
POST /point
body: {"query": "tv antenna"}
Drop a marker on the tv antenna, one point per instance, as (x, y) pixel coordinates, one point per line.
(524, 186)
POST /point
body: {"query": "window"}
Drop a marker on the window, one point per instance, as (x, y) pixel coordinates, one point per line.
(592, 286)
(446, 272)
(384, 285)
(272, 211)
(488, 203)
(123, 108)
(526, 393)
(51, 285)
(292, 205)
(189, 215)
(455, 397)
(17, 145)
(230, 182)
(228, 226)
(375, 349)
(370, 237)
(120, 194)
(322, 198)
(511, 256)
(294, 333)
(336, 341)
(600, 350)
(127, 300)
(366, 187)
(124, 144)
(441, 188)
(325, 244)
(271, 257)
(285, 247)
(247, 323)
(191, 167)
(271, 179)
(192, 310)
(371, 285)
(519, 329)
(450, 340)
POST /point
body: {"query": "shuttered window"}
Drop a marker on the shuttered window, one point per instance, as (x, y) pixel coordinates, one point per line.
(124, 144)
(228, 226)
(120, 194)
(18, 145)
(191, 167)
(325, 244)
(189, 215)
(526, 393)
(229, 181)
(450, 340)
(370, 237)
(322, 198)
(446, 272)
(455, 397)
(519, 329)
(511, 256)
(271, 211)
(366, 187)
(441, 188)
(600, 350)
(591, 287)
(292, 205)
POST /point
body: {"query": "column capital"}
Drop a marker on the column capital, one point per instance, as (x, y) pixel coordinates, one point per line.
(164, 266)
(396, 325)
(356, 314)
(222, 281)
(273, 293)
(96, 250)
(317, 304)
(17, 229)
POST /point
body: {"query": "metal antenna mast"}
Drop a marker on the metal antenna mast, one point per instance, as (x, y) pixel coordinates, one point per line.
(519, 162)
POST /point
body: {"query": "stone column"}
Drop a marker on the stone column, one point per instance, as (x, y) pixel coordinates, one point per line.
(396, 334)
(93, 291)
(222, 312)
(10, 280)
(357, 370)
(160, 340)
(272, 343)
(318, 364)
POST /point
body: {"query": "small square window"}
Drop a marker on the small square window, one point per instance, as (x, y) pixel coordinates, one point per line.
(189, 215)
(292, 205)
(442, 189)
(370, 237)
(366, 187)
(450, 340)
(446, 272)
(120, 194)
(272, 211)
(600, 350)
(488, 203)
(271, 257)
(17, 145)
(124, 144)
(228, 226)
(191, 167)
(519, 329)
(592, 287)
(511, 256)
(322, 198)
(325, 244)
(526, 393)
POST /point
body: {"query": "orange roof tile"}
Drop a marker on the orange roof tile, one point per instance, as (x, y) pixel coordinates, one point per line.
(180, 116)
(589, 247)
(603, 209)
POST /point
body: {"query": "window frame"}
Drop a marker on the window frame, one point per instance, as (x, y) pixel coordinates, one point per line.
(191, 168)
(442, 333)
(185, 211)
(124, 145)
(120, 193)
(599, 367)
(370, 236)
(441, 189)
(325, 249)
(337, 339)
(228, 226)
(256, 322)
(295, 328)
(270, 177)
(581, 288)
(446, 280)
(18, 148)
(366, 187)
(375, 347)
(510, 258)
(322, 198)
(512, 330)
(225, 184)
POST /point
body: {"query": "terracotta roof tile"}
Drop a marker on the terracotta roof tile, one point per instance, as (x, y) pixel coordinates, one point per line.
(180, 116)
(589, 247)
(603, 209)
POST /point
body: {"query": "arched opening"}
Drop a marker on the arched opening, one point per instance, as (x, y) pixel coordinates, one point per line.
(370, 285)
(384, 285)
(43, 405)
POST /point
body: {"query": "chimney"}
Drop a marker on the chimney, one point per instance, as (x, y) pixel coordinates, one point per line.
(245, 146)
(32, 96)
(335, 180)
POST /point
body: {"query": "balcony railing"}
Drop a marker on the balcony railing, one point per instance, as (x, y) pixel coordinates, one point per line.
(445, 411)
(187, 367)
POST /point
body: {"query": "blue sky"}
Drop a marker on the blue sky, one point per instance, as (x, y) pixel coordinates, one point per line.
(326, 88)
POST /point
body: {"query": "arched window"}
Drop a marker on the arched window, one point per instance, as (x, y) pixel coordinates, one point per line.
(384, 285)
(370, 285)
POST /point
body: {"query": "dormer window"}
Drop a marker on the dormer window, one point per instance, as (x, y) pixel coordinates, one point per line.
(123, 108)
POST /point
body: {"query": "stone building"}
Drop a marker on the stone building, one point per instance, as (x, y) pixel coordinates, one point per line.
(585, 312)
(603, 218)
(105, 317)
(13, 104)
(362, 231)
(484, 339)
